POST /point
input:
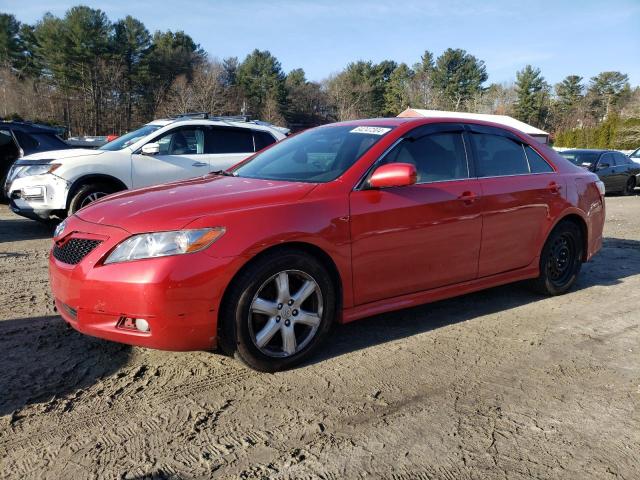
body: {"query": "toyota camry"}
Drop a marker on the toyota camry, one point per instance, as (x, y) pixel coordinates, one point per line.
(334, 224)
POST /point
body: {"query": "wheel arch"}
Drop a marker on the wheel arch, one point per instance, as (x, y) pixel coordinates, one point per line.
(93, 178)
(578, 220)
(318, 253)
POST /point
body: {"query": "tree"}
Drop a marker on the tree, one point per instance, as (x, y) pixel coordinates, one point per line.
(569, 91)
(10, 45)
(422, 91)
(306, 103)
(260, 78)
(132, 43)
(458, 76)
(532, 96)
(397, 95)
(604, 91)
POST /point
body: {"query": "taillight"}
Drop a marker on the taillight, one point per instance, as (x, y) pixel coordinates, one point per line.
(601, 188)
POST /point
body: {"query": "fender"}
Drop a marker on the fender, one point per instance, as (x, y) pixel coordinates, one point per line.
(92, 178)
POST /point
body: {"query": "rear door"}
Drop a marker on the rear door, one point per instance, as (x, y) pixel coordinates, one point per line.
(181, 156)
(227, 146)
(422, 236)
(519, 189)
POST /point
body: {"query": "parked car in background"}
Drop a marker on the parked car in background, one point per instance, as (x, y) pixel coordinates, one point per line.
(21, 138)
(617, 171)
(336, 223)
(88, 141)
(58, 183)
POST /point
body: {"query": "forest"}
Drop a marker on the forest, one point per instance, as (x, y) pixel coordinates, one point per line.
(95, 76)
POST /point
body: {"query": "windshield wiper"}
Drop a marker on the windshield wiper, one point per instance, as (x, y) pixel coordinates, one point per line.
(223, 172)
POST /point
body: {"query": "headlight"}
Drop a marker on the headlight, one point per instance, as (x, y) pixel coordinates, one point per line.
(59, 229)
(163, 244)
(19, 171)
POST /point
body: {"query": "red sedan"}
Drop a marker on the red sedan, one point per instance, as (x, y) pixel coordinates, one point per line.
(335, 224)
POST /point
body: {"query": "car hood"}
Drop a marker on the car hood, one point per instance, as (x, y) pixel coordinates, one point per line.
(173, 206)
(62, 154)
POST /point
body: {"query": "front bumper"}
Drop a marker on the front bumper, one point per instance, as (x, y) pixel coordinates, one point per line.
(178, 296)
(38, 196)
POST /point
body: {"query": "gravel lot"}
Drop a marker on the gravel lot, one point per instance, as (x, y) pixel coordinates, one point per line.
(498, 384)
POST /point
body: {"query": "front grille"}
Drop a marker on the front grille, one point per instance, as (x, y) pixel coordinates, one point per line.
(74, 250)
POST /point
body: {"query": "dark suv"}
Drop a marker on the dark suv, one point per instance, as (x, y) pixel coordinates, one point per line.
(20, 138)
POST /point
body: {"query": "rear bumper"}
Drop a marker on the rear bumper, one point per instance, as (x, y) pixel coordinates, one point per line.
(178, 296)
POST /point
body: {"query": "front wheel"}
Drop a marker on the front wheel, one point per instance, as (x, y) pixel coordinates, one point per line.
(278, 311)
(560, 260)
(88, 194)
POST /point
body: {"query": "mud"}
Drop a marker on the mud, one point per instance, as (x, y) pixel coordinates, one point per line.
(502, 384)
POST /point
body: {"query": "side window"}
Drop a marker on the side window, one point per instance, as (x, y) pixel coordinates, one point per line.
(437, 157)
(622, 159)
(262, 139)
(607, 158)
(182, 141)
(498, 156)
(230, 140)
(537, 164)
(26, 141)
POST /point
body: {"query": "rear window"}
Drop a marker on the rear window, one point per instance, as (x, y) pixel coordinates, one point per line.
(536, 162)
(262, 140)
(231, 140)
(499, 156)
(26, 141)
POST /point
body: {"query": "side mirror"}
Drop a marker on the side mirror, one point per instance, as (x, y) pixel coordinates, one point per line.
(152, 148)
(393, 175)
(602, 166)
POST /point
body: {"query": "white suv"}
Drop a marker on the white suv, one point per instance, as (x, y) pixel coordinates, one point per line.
(58, 183)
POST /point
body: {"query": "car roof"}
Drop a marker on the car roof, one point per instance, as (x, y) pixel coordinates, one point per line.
(586, 150)
(27, 127)
(410, 122)
(253, 124)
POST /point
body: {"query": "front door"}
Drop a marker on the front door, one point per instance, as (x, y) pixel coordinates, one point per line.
(181, 156)
(423, 236)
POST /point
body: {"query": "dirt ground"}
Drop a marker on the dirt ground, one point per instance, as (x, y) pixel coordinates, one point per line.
(498, 384)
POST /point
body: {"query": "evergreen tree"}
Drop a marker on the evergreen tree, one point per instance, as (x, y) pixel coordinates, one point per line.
(260, 78)
(458, 76)
(397, 95)
(532, 96)
(10, 45)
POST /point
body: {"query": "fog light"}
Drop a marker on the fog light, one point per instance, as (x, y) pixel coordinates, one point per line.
(142, 325)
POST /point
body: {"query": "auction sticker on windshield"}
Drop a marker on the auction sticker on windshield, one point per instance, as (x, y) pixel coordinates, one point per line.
(371, 130)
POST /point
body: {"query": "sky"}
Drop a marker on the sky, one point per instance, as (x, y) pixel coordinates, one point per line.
(582, 37)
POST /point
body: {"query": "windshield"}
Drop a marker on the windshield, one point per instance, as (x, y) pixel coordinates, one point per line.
(318, 155)
(635, 154)
(130, 138)
(581, 159)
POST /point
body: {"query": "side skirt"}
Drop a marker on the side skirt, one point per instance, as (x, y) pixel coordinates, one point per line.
(440, 293)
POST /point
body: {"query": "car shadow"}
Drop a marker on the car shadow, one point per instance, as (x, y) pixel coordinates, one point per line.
(618, 259)
(19, 229)
(43, 359)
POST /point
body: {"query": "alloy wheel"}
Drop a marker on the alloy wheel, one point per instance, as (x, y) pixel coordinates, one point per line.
(92, 197)
(285, 313)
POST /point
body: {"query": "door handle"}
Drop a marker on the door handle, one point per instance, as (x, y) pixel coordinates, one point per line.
(468, 197)
(199, 164)
(554, 187)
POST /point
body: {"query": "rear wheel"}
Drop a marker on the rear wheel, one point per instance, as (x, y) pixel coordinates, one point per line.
(278, 311)
(561, 260)
(88, 194)
(630, 186)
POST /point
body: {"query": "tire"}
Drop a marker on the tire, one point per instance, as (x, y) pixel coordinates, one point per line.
(258, 317)
(561, 260)
(630, 186)
(89, 193)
